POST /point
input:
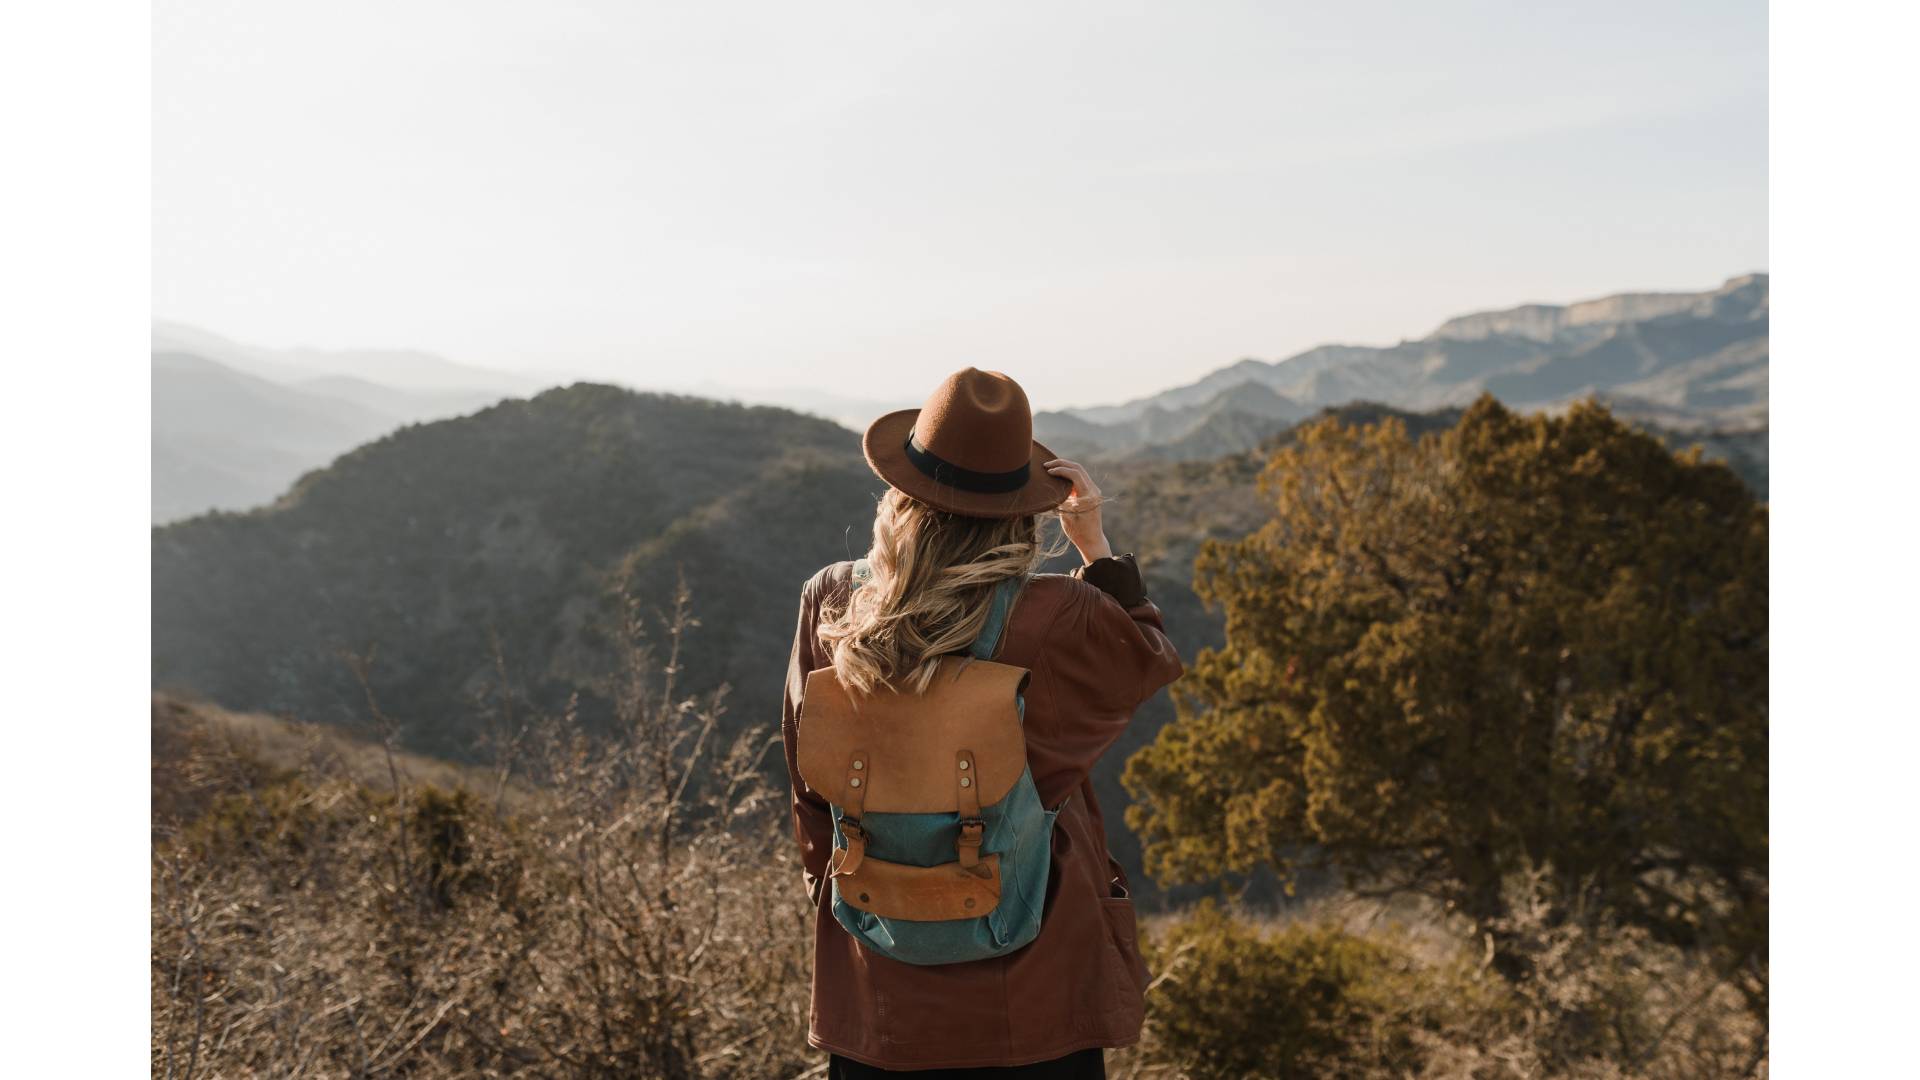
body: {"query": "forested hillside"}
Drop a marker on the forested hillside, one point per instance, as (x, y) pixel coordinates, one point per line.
(444, 547)
(492, 551)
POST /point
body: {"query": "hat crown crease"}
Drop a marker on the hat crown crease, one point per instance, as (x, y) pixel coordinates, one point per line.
(977, 420)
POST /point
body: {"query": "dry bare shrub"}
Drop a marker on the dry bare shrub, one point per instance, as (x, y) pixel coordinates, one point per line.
(1356, 989)
(634, 910)
(1603, 1000)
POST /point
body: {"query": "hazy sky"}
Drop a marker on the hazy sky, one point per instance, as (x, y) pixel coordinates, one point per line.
(1103, 199)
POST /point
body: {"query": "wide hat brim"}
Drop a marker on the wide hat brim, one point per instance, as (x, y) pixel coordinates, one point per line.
(885, 445)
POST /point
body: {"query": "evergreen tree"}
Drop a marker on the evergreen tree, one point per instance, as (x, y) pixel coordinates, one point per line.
(1524, 642)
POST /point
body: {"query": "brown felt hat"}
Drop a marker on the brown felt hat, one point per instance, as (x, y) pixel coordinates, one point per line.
(969, 450)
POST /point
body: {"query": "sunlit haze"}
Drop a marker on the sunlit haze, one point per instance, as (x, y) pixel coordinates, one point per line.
(1103, 199)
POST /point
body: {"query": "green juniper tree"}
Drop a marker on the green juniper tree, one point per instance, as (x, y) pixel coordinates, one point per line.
(1527, 641)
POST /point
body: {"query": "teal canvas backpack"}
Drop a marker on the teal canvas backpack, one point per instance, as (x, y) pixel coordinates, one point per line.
(941, 847)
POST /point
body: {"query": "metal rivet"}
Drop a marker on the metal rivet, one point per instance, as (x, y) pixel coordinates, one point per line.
(859, 764)
(965, 781)
(964, 764)
(969, 901)
(854, 782)
(865, 899)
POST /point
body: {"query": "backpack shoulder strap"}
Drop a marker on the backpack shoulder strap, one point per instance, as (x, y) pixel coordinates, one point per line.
(990, 634)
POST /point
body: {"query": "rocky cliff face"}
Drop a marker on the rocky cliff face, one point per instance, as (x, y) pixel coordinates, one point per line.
(1689, 361)
(1741, 297)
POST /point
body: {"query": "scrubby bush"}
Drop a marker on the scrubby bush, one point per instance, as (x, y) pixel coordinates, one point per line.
(623, 906)
(1603, 999)
(1343, 992)
(1236, 1000)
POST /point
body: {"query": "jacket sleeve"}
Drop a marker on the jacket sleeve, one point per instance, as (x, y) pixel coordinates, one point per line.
(1106, 653)
(812, 818)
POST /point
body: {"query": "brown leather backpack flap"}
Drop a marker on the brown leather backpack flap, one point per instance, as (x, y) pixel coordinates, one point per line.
(909, 744)
(923, 893)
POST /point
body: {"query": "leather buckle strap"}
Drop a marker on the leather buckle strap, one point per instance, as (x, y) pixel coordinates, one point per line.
(848, 859)
(967, 847)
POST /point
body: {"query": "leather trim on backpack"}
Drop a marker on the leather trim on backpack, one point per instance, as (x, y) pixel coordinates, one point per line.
(923, 893)
(911, 741)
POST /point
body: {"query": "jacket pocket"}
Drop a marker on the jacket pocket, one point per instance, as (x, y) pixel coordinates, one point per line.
(1127, 973)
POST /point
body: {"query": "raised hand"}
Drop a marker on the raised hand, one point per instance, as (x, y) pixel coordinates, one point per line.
(1080, 514)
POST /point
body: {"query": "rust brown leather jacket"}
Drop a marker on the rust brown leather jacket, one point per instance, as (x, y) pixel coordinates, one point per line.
(1097, 650)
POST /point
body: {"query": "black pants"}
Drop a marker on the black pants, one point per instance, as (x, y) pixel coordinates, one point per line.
(1080, 1065)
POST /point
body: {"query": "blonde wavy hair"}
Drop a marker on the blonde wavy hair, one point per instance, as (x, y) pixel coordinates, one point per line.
(932, 587)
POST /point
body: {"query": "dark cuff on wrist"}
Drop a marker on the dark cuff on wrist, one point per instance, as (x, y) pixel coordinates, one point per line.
(1116, 575)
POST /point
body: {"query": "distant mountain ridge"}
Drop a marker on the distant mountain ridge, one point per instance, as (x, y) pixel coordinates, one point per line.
(405, 369)
(1690, 361)
(1544, 322)
(225, 439)
(234, 425)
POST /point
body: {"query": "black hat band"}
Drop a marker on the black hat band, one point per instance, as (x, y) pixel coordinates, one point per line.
(946, 472)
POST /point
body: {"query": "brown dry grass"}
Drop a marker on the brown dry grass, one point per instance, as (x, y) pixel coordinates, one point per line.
(325, 908)
(630, 905)
(1602, 1002)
